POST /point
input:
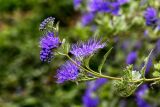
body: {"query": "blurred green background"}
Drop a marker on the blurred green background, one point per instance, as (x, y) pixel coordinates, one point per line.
(27, 82)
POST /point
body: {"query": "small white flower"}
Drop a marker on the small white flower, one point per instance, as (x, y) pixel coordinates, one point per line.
(136, 75)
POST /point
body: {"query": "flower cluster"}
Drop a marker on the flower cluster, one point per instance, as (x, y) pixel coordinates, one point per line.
(77, 68)
(68, 71)
(131, 58)
(139, 96)
(87, 48)
(151, 17)
(77, 3)
(149, 65)
(90, 98)
(107, 6)
(87, 18)
(45, 22)
(47, 44)
(102, 6)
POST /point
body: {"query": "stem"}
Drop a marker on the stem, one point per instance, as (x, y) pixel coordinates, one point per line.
(88, 79)
(93, 72)
(106, 76)
(146, 80)
(152, 79)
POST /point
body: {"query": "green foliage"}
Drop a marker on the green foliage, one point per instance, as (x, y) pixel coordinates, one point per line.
(156, 73)
(157, 66)
(127, 73)
(27, 82)
(65, 47)
(145, 64)
(103, 60)
(124, 88)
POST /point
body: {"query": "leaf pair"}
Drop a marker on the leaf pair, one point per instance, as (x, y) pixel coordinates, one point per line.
(87, 60)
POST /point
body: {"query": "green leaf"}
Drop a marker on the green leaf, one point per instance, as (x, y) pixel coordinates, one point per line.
(145, 65)
(50, 26)
(87, 60)
(156, 74)
(157, 66)
(124, 88)
(57, 27)
(103, 60)
(64, 48)
(128, 73)
(63, 42)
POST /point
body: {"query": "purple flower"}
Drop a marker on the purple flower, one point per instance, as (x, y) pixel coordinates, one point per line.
(141, 90)
(114, 8)
(47, 44)
(90, 99)
(139, 96)
(45, 22)
(149, 65)
(87, 48)
(151, 16)
(105, 6)
(46, 55)
(111, 7)
(131, 58)
(98, 83)
(95, 85)
(87, 18)
(95, 5)
(141, 102)
(68, 72)
(77, 3)
(121, 2)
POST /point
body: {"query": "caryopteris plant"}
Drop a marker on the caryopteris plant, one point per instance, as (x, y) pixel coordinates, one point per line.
(77, 68)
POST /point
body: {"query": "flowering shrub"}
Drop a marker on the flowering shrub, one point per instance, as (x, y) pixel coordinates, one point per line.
(77, 68)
